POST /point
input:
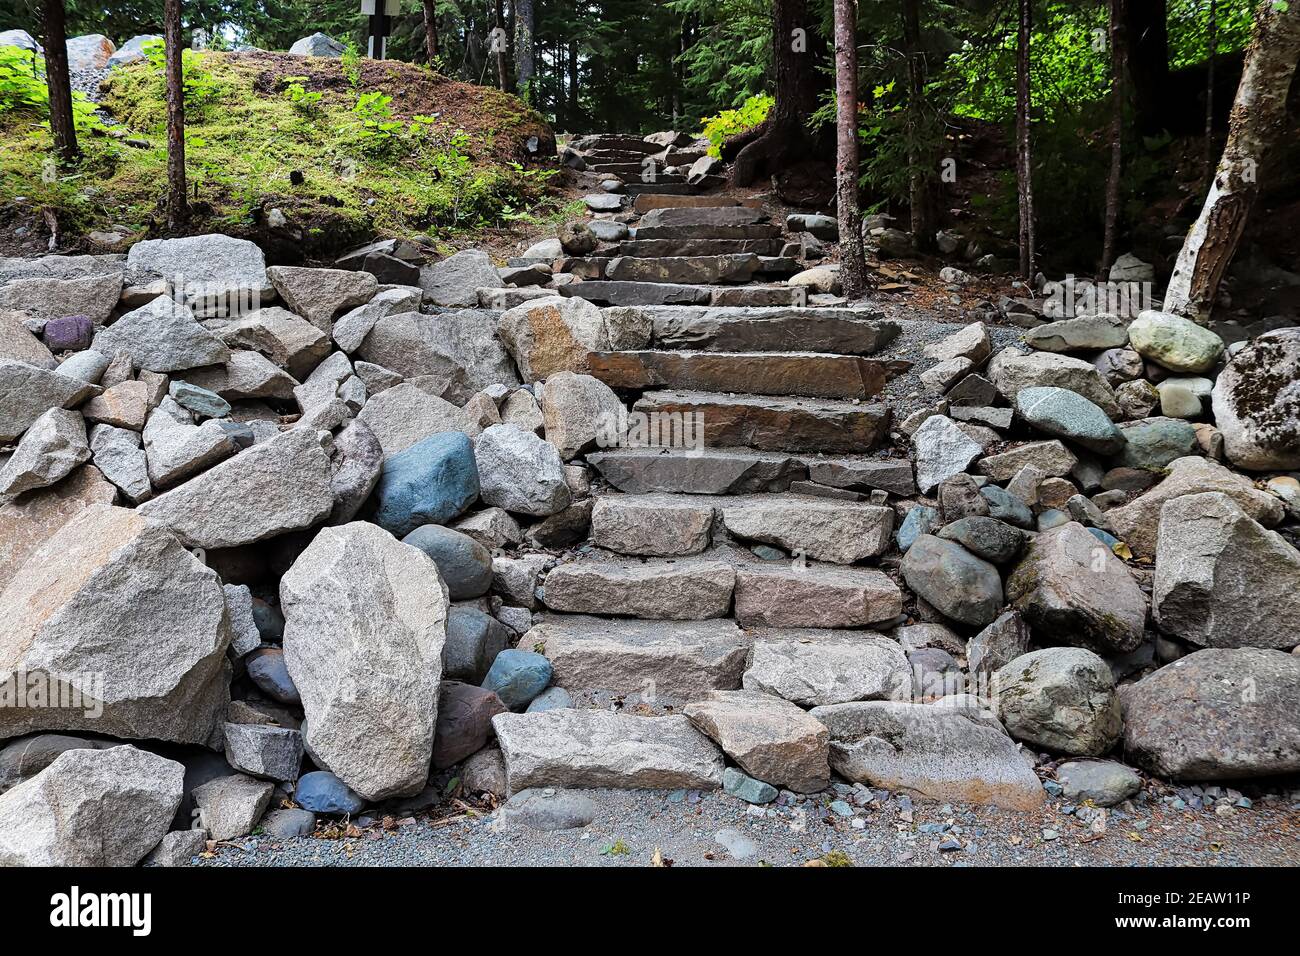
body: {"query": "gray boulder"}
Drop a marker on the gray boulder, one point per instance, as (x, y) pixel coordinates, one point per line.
(280, 485)
(520, 473)
(941, 752)
(771, 739)
(219, 275)
(454, 282)
(1062, 699)
(1216, 714)
(958, 584)
(1222, 579)
(50, 449)
(162, 337)
(27, 392)
(126, 623)
(1256, 402)
(230, 806)
(364, 629)
(1102, 782)
(812, 668)
(91, 808)
(318, 44)
(1073, 590)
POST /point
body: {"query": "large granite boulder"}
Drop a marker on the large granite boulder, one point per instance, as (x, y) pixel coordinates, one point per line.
(277, 486)
(556, 334)
(162, 336)
(1222, 579)
(28, 391)
(1217, 714)
(939, 751)
(91, 808)
(219, 275)
(113, 614)
(1072, 589)
(1257, 402)
(365, 620)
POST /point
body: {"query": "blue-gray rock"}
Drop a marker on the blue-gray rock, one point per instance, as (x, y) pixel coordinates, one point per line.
(322, 792)
(1155, 443)
(517, 676)
(920, 520)
(287, 824)
(474, 639)
(269, 620)
(1052, 518)
(955, 582)
(547, 809)
(432, 482)
(1066, 414)
(465, 565)
(1007, 507)
(200, 401)
(746, 788)
(266, 669)
(554, 698)
(988, 538)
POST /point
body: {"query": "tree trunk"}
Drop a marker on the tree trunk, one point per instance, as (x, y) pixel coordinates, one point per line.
(1118, 56)
(1212, 28)
(1024, 166)
(919, 186)
(1258, 120)
(1148, 37)
(177, 204)
(523, 43)
(853, 267)
(796, 93)
(501, 47)
(431, 31)
(573, 84)
(57, 80)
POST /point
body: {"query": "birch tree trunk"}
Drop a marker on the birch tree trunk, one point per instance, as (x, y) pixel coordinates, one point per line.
(177, 203)
(1024, 166)
(853, 266)
(1257, 121)
(58, 82)
(1118, 58)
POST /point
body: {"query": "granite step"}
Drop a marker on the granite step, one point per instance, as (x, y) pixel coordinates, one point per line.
(685, 270)
(663, 525)
(604, 292)
(677, 590)
(663, 248)
(842, 331)
(769, 423)
(812, 374)
(702, 471)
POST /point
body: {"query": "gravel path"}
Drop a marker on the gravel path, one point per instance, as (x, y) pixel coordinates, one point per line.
(629, 826)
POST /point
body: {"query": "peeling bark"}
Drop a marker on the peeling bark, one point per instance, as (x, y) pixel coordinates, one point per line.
(1257, 121)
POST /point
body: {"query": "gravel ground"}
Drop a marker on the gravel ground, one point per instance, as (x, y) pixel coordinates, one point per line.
(629, 827)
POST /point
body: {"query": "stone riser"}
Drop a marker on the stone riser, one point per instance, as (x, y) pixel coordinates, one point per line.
(758, 373)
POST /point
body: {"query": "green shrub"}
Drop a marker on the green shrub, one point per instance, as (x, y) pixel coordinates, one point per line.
(730, 122)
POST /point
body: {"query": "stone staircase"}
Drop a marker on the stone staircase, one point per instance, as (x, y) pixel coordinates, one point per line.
(765, 533)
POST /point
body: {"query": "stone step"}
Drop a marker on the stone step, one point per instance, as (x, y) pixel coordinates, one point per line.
(725, 215)
(770, 423)
(686, 270)
(762, 230)
(842, 331)
(681, 661)
(634, 169)
(798, 594)
(683, 590)
(661, 525)
(702, 471)
(614, 141)
(663, 190)
(573, 749)
(817, 375)
(612, 155)
(647, 200)
(664, 248)
(778, 267)
(604, 292)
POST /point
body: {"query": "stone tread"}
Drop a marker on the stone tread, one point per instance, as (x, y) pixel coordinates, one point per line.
(671, 293)
(814, 374)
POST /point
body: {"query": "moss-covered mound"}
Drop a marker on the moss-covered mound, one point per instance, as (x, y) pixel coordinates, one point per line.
(342, 149)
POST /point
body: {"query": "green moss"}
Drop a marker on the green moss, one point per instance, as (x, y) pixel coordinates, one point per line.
(421, 154)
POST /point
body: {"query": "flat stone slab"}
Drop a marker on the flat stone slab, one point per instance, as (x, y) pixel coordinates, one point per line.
(662, 525)
(707, 471)
(704, 216)
(814, 595)
(657, 248)
(701, 270)
(892, 475)
(647, 199)
(683, 660)
(757, 296)
(657, 590)
(638, 293)
(937, 751)
(679, 232)
(812, 667)
(593, 748)
(758, 373)
(842, 532)
(777, 424)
